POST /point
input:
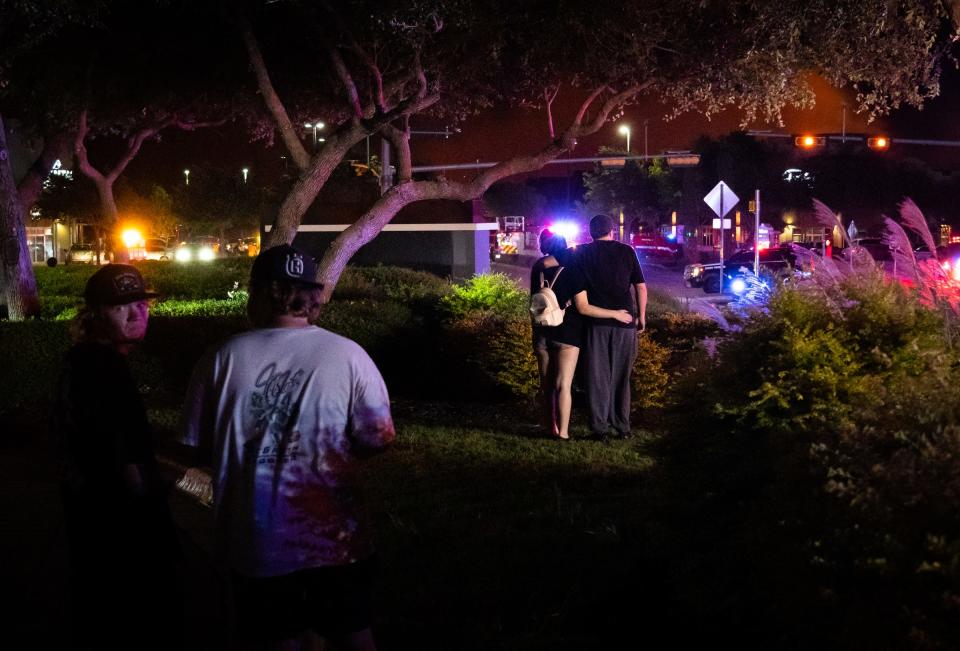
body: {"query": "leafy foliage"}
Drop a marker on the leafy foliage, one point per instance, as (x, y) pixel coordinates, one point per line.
(650, 380)
(833, 413)
(495, 294)
(643, 192)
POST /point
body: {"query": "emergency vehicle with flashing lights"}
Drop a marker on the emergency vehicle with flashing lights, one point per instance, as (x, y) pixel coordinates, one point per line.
(657, 248)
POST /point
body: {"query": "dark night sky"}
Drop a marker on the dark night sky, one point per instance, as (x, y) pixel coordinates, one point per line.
(499, 133)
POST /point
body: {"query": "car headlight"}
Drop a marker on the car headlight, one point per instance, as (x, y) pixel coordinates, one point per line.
(184, 255)
(206, 253)
(738, 286)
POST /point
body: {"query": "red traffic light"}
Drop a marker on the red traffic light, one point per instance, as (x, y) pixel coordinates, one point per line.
(878, 142)
(809, 142)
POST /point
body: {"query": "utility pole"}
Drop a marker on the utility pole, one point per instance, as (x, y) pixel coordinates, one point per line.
(843, 125)
(646, 152)
(756, 234)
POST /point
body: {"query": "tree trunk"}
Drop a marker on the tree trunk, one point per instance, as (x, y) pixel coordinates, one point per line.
(304, 191)
(18, 282)
(110, 220)
(55, 147)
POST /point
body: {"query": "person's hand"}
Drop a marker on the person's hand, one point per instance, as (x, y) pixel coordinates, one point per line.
(623, 316)
(641, 324)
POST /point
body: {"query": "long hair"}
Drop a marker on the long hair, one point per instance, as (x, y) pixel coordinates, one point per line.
(551, 243)
(89, 326)
(270, 300)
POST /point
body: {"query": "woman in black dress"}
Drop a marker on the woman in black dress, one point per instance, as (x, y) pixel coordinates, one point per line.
(557, 348)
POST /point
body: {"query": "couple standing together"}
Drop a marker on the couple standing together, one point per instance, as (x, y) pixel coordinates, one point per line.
(602, 286)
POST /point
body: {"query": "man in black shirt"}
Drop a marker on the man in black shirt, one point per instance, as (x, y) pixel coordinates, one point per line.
(122, 540)
(613, 281)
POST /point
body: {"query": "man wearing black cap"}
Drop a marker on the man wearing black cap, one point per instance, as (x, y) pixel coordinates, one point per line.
(122, 541)
(288, 410)
(613, 281)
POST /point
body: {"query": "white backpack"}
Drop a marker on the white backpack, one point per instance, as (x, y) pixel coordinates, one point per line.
(545, 309)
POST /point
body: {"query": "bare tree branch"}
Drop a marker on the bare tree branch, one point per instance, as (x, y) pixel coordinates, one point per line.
(618, 100)
(187, 125)
(586, 104)
(548, 100)
(274, 105)
(420, 76)
(340, 66)
(373, 221)
(344, 32)
(80, 150)
(133, 147)
(400, 139)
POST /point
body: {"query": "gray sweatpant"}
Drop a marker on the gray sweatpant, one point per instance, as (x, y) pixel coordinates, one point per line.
(611, 352)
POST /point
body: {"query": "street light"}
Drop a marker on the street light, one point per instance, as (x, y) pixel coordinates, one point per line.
(625, 131)
(315, 126)
(186, 176)
(246, 170)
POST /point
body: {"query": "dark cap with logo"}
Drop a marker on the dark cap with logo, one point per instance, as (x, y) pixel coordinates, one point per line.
(286, 264)
(116, 284)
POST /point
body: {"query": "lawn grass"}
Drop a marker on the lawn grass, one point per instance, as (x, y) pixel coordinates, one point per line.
(491, 537)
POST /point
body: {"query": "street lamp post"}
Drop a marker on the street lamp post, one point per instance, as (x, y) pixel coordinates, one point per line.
(625, 131)
(646, 152)
(186, 177)
(315, 126)
(246, 171)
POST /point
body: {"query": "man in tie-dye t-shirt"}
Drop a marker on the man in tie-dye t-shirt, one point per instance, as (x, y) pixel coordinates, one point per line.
(288, 410)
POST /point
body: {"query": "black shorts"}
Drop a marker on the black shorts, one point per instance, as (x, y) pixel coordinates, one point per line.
(331, 600)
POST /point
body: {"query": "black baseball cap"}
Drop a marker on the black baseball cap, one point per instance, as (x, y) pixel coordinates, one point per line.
(284, 263)
(116, 284)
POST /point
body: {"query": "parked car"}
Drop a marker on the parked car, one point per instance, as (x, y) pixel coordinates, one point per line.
(156, 248)
(203, 248)
(774, 263)
(83, 254)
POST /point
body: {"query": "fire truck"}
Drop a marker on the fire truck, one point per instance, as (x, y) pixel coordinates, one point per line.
(509, 239)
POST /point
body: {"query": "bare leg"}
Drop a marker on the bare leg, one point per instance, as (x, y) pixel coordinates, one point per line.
(547, 420)
(566, 366)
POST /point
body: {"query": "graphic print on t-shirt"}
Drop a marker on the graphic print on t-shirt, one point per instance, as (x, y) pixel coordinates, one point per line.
(274, 408)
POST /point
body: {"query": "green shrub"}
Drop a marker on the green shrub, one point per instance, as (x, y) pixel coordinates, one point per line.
(649, 379)
(31, 352)
(494, 294)
(661, 302)
(833, 432)
(210, 307)
(353, 286)
(375, 325)
(59, 308)
(491, 356)
(196, 280)
(403, 285)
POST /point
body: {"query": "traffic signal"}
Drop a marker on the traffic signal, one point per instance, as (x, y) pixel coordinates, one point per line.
(809, 142)
(880, 143)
